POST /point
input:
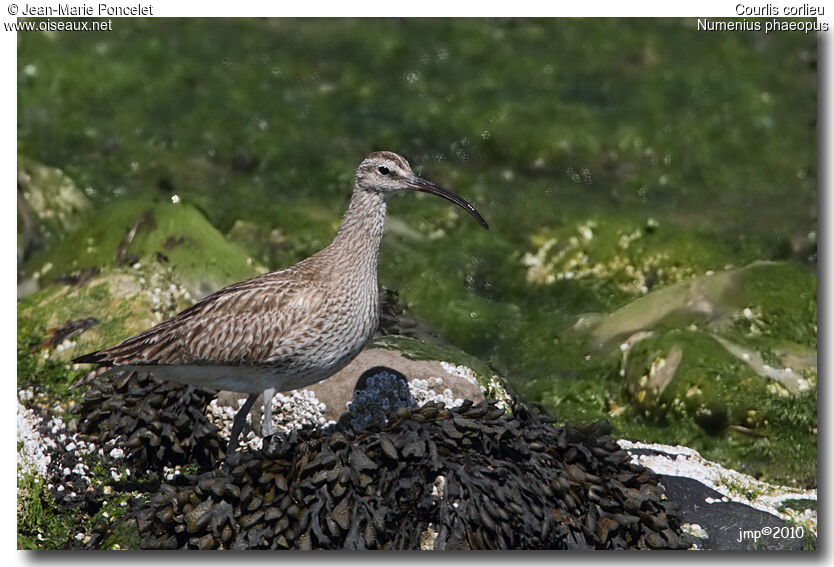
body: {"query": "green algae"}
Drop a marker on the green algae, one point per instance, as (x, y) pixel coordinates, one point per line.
(124, 301)
(44, 374)
(349, 86)
(38, 526)
(714, 401)
(176, 235)
(41, 526)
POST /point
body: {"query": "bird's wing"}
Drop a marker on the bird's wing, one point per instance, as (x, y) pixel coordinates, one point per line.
(258, 320)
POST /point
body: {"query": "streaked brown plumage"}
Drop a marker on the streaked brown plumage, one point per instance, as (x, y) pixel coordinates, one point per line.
(286, 329)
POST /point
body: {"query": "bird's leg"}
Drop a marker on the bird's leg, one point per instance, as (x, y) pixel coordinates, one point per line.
(239, 422)
(266, 427)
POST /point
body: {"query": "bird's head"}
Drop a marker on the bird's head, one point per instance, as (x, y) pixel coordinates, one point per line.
(387, 173)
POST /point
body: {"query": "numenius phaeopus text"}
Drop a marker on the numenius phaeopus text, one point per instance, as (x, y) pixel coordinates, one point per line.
(286, 329)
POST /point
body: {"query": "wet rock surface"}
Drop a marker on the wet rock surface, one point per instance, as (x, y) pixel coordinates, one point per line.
(728, 510)
(731, 525)
(471, 477)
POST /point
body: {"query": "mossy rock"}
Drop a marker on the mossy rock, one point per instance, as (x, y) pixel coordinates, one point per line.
(782, 294)
(124, 301)
(739, 380)
(721, 400)
(62, 321)
(49, 205)
(756, 417)
(55, 200)
(175, 235)
(699, 381)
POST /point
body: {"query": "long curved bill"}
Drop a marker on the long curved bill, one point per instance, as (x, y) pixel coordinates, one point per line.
(421, 184)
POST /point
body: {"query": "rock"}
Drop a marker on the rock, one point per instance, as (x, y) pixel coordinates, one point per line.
(49, 206)
(457, 362)
(727, 370)
(731, 510)
(174, 236)
(690, 378)
(122, 301)
(787, 376)
(433, 375)
(655, 326)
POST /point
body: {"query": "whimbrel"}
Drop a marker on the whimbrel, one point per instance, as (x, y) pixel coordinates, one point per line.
(286, 329)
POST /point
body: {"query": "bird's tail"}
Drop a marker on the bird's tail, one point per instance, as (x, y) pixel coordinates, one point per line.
(90, 376)
(97, 357)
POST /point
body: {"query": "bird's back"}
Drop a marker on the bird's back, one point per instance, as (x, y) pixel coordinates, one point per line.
(302, 323)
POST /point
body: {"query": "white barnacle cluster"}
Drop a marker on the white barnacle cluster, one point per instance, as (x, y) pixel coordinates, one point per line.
(221, 416)
(568, 259)
(539, 270)
(626, 238)
(751, 319)
(49, 450)
(383, 393)
(460, 371)
(290, 411)
(172, 473)
(32, 454)
(695, 530)
(495, 390)
(297, 409)
(429, 391)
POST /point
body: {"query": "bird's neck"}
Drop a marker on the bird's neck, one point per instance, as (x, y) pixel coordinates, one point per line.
(362, 226)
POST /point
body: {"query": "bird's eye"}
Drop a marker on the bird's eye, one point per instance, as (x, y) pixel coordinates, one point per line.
(383, 170)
